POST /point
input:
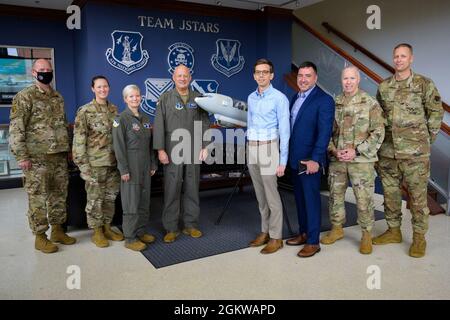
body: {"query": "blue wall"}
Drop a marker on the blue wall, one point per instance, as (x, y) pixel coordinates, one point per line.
(80, 54)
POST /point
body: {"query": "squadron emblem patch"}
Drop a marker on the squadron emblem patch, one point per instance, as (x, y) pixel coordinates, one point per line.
(227, 59)
(154, 88)
(180, 53)
(126, 53)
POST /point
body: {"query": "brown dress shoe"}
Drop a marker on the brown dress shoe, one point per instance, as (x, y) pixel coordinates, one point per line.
(309, 250)
(260, 240)
(272, 246)
(297, 241)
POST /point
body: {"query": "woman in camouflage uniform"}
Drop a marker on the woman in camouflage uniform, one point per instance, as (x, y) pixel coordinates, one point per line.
(93, 154)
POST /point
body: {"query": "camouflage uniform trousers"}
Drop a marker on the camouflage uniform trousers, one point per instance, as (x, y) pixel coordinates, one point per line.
(46, 184)
(415, 174)
(362, 178)
(102, 190)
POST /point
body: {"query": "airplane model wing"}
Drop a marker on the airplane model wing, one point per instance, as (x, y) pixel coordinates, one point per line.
(228, 112)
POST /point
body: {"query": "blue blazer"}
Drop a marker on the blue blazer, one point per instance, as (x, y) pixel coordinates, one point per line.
(312, 128)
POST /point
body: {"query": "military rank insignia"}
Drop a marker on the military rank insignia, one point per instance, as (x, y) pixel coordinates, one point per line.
(147, 125)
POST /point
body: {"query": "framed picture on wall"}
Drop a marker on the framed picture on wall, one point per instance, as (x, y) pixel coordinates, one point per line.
(16, 64)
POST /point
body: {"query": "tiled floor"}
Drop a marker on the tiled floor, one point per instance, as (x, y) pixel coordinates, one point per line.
(337, 272)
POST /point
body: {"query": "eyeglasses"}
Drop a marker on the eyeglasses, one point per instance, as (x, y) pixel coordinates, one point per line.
(262, 72)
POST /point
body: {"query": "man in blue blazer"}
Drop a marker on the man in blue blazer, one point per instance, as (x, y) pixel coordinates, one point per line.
(312, 116)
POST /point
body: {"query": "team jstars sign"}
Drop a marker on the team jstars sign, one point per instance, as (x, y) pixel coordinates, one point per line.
(183, 25)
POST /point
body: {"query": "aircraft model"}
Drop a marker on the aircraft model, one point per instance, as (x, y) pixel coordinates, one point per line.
(227, 111)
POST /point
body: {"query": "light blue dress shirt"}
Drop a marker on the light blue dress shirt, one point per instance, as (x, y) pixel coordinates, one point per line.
(268, 119)
(301, 97)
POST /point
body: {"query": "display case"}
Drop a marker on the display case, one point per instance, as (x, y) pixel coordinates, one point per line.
(8, 164)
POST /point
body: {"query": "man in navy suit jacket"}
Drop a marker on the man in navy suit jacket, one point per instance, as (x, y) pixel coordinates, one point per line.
(312, 116)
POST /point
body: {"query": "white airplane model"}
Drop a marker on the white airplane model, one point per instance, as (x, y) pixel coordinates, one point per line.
(227, 111)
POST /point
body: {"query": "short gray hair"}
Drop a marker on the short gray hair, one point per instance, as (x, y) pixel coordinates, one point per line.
(352, 67)
(128, 88)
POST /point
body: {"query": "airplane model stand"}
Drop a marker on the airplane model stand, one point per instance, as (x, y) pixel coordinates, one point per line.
(230, 197)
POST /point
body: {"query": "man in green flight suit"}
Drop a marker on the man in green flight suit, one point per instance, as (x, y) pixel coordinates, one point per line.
(176, 109)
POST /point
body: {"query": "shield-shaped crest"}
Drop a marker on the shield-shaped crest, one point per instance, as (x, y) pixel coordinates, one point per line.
(180, 53)
(126, 53)
(154, 88)
(205, 86)
(227, 59)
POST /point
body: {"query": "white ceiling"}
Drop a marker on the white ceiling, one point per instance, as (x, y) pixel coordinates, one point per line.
(258, 4)
(48, 4)
(243, 4)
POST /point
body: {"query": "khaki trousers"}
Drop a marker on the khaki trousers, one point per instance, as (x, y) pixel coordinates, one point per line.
(263, 160)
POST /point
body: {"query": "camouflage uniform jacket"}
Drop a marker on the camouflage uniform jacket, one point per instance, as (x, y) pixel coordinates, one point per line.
(92, 141)
(358, 124)
(413, 112)
(38, 123)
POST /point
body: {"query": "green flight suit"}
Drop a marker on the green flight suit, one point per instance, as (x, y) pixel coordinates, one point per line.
(132, 141)
(182, 174)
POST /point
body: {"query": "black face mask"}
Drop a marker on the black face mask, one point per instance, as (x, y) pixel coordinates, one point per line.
(44, 77)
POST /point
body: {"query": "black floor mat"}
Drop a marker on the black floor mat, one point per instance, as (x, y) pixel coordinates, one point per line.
(240, 225)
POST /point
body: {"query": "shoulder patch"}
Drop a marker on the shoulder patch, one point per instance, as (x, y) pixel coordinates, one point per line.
(116, 123)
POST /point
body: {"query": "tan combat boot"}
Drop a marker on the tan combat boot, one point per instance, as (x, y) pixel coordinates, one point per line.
(147, 238)
(58, 235)
(391, 235)
(136, 245)
(366, 243)
(43, 244)
(111, 234)
(99, 238)
(417, 249)
(171, 236)
(336, 233)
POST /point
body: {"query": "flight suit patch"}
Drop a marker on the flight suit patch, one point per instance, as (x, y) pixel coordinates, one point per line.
(179, 106)
(136, 127)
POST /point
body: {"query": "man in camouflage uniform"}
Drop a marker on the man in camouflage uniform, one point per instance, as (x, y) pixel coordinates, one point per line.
(413, 109)
(176, 109)
(94, 155)
(358, 132)
(39, 140)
